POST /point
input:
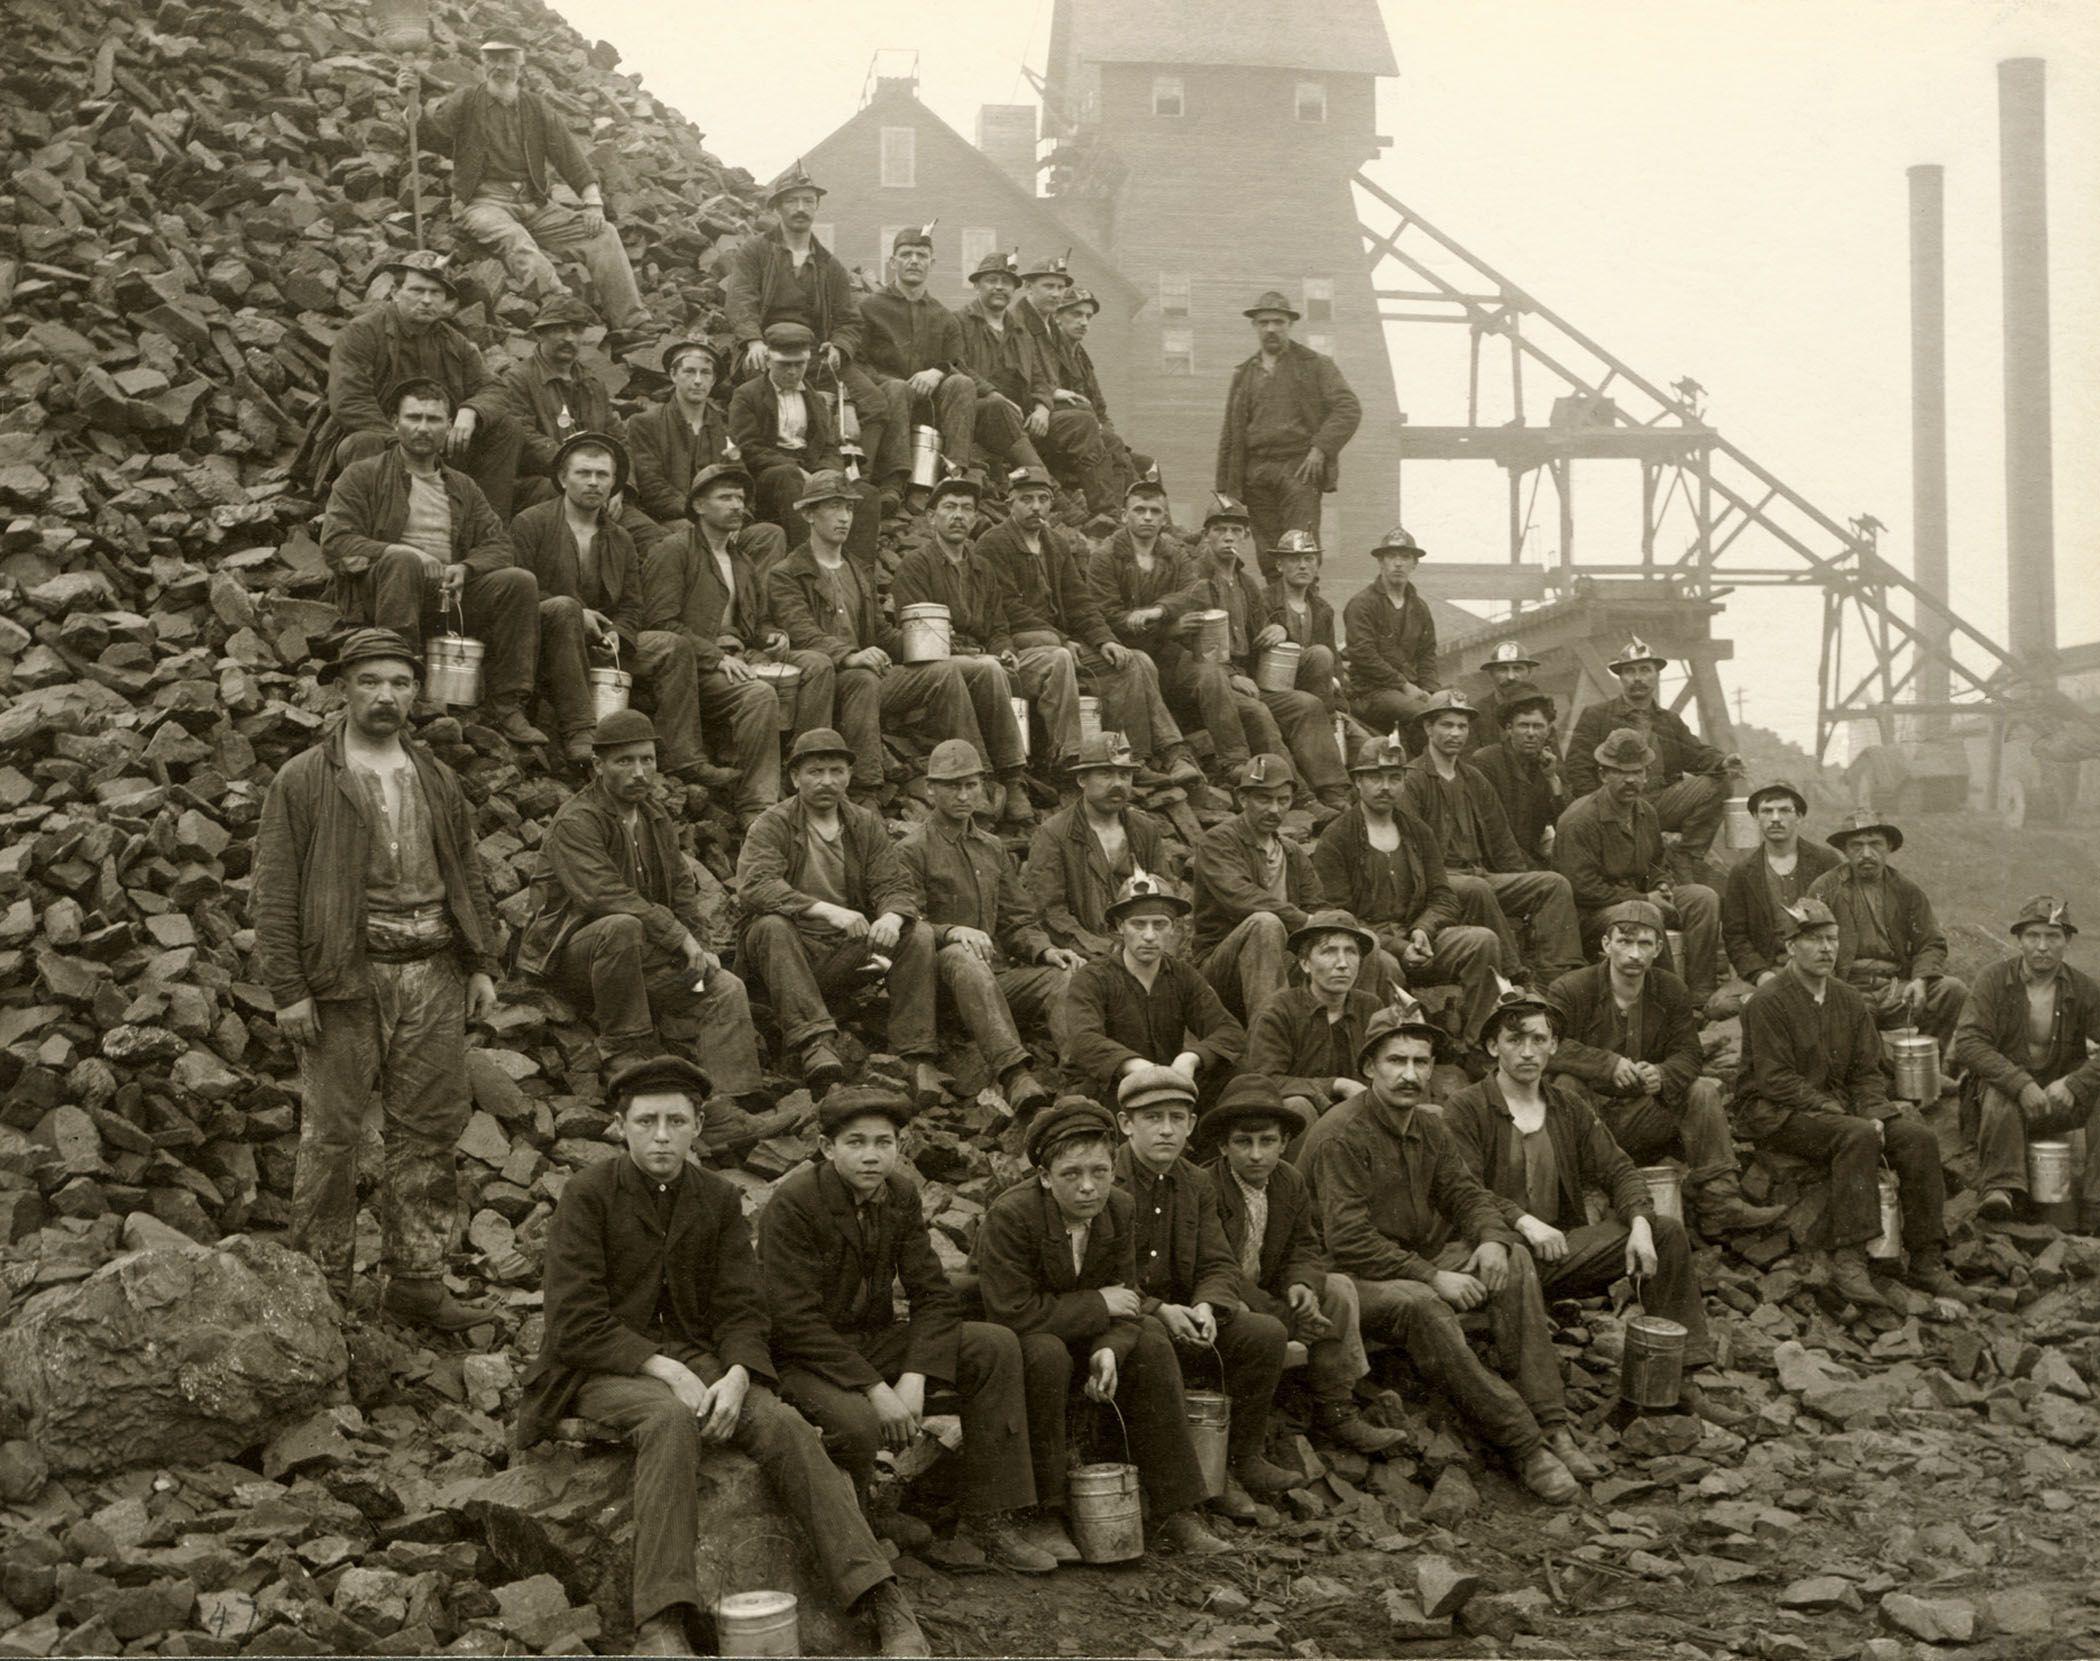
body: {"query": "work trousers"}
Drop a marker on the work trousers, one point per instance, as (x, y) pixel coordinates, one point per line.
(1335, 1359)
(635, 987)
(997, 1475)
(1278, 501)
(1248, 1358)
(1075, 453)
(1464, 955)
(1523, 1335)
(1316, 674)
(1251, 964)
(749, 712)
(1597, 1257)
(2005, 1128)
(814, 694)
(491, 459)
(1940, 1015)
(994, 1002)
(1648, 1131)
(1847, 1145)
(1048, 677)
(1001, 434)
(936, 700)
(501, 609)
(1698, 911)
(1387, 709)
(1540, 900)
(1307, 726)
(1202, 694)
(991, 695)
(522, 232)
(1693, 807)
(1149, 1397)
(406, 1039)
(968, 421)
(1132, 703)
(798, 962)
(662, 661)
(1410, 1314)
(667, 1460)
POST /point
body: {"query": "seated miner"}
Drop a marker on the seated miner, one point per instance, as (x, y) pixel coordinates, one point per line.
(1082, 854)
(825, 899)
(1136, 577)
(1189, 1279)
(826, 602)
(1609, 845)
(1305, 1038)
(1068, 435)
(1055, 1260)
(590, 586)
(995, 962)
(1523, 770)
(1383, 864)
(674, 442)
(656, 1325)
(1889, 943)
(1050, 604)
(504, 140)
(1686, 782)
(1252, 713)
(783, 432)
(1266, 1209)
(378, 949)
(1142, 1006)
(1397, 1208)
(415, 548)
(552, 397)
(1629, 1051)
(1391, 651)
(1079, 387)
(408, 338)
(1253, 886)
(616, 920)
(1533, 1144)
(1765, 882)
(1296, 606)
(2029, 1041)
(1507, 666)
(915, 354)
(1812, 1085)
(839, 1237)
(1481, 857)
(946, 569)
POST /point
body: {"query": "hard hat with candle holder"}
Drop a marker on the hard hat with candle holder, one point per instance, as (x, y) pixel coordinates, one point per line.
(424, 262)
(1508, 654)
(1295, 542)
(1142, 891)
(1447, 700)
(1265, 772)
(795, 178)
(1331, 922)
(1637, 650)
(1381, 753)
(1398, 540)
(1803, 915)
(914, 236)
(1078, 299)
(1226, 510)
(997, 264)
(1053, 265)
(2044, 911)
(1402, 1017)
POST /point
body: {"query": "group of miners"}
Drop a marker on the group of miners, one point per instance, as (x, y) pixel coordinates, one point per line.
(1254, 1161)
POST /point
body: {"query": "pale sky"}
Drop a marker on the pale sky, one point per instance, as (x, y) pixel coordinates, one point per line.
(1711, 188)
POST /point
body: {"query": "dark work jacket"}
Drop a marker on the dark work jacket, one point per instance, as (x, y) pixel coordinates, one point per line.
(1678, 751)
(1798, 1058)
(537, 407)
(1602, 861)
(754, 428)
(1119, 587)
(667, 457)
(975, 595)
(1991, 1041)
(1010, 363)
(1913, 931)
(1228, 864)
(1234, 591)
(1583, 1150)
(1669, 1032)
(1068, 875)
(828, 1294)
(1024, 1269)
(1421, 796)
(798, 594)
(457, 119)
(1386, 646)
(760, 280)
(1075, 373)
(1326, 404)
(1049, 591)
(1291, 1254)
(1198, 1265)
(1291, 1041)
(584, 876)
(607, 1262)
(366, 361)
(900, 336)
(682, 593)
(770, 864)
(1749, 914)
(368, 511)
(1343, 856)
(1110, 1018)
(1531, 795)
(543, 544)
(970, 882)
(1318, 627)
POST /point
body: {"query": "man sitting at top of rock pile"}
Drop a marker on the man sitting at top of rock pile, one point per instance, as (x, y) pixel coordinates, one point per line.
(1889, 943)
(657, 1326)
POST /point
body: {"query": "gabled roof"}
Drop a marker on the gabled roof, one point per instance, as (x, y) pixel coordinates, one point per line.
(1337, 36)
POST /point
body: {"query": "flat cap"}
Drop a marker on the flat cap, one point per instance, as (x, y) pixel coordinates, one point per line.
(1154, 1086)
(363, 645)
(708, 477)
(913, 236)
(788, 335)
(819, 741)
(562, 310)
(1645, 914)
(847, 1102)
(622, 726)
(588, 440)
(1064, 1119)
(655, 1074)
(677, 350)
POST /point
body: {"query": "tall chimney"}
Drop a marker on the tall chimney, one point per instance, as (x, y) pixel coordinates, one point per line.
(2030, 508)
(1928, 428)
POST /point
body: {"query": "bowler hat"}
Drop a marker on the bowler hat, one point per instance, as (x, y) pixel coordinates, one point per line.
(955, 759)
(1154, 1086)
(1402, 1016)
(591, 441)
(1226, 510)
(714, 474)
(1264, 772)
(848, 1102)
(2045, 911)
(679, 349)
(1251, 1098)
(1398, 540)
(1637, 650)
(1806, 913)
(1644, 914)
(1333, 921)
(1295, 542)
(1513, 697)
(1779, 787)
(1105, 750)
(561, 311)
(795, 178)
(424, 262)
(656, 1074)
(1141, 889)
(789, 336)
(827, 485)
(1624, 748)
(363, 645)
(1861, 822)
(1061, 1121)
(1272, 300)
(622, 726)
(819, 741)
(1507, 654)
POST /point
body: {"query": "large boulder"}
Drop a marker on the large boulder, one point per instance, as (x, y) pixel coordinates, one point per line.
(174, 1355)
(568, 1511)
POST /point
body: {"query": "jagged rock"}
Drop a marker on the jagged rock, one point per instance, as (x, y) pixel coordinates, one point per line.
(1936, 1620)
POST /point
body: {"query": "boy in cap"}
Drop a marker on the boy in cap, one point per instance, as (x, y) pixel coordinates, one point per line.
(657, 1325)
(2029, 1041)
(993, 957)
(1523, 770)
(825, 897)
(835, 1240)
(1266, 1209)
(1188, 1277)
(1305, 1038)
(1056, 1261)
(1812, 1085)
(1890, 947)
(1136, 1008)
(1137, 577)
(616, 919)
(675, 440)
(1082, 854)
(1391, 655)
(783, 430)
(1253, 886)
(1778, 873)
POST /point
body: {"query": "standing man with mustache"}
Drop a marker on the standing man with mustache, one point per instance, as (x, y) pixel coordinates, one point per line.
(378, 944)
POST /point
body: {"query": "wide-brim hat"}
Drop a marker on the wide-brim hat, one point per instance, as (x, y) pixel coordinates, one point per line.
(1140, 889)
(363, 645)
(819, 741)
(1273, 300)
(848, 1102)
(1779, 787)
(1063, 1119)
(588, 440)
(622, 726)
(1402, 1017)
(1861, 822)
(1637, 650)
(1398, 540)
(828, 485)
(1331, 922)
(1514, 697)
(1251, 1098)
(2045, 911)
(1624, 748)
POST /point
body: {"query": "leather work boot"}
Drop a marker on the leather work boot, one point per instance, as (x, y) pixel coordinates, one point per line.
(1045, 1530)
(1850, 1279)
(1002, 1541)
(1996, 1206)
(1024, 1092)
(1561, 1443)
(664, 1634)
(1186, 1532)
(1359, 1435)
(509, 720)
(1182, 766)
(1019, 809)
(1233, 1501)
(1547, 1478)
(428, 1303)
(821, 1067)
(1928, 1273)
(1719, 1208)
(1259, 1475)
(896, 1627)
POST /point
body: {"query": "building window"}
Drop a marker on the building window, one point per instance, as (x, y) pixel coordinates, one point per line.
(1177, 350)
(1321, 342)
(900, 158)
(1319, 299)
(977, 241)
(1166, 95)
(824, 231)
(1173, 295)
(1311, 101)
